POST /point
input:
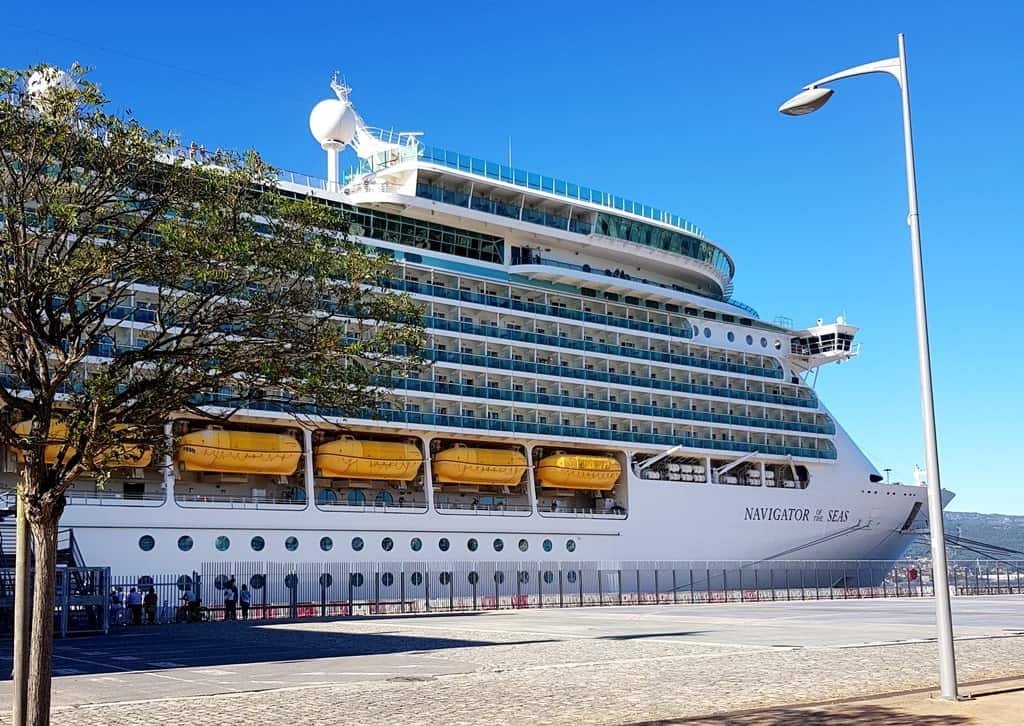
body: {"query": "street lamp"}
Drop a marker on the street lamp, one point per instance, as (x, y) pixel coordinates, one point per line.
(809, 100)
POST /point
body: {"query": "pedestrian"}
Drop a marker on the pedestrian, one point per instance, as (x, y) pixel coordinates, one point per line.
(116, 605)
(149, 605)
(135, 605)
(230, 599)
(245, 599)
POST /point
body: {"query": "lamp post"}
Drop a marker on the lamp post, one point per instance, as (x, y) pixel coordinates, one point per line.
(813, 97)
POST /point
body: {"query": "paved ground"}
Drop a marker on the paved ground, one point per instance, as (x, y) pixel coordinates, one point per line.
(582, 665)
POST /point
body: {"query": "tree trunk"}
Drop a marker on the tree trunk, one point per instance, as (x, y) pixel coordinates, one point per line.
(44, 536)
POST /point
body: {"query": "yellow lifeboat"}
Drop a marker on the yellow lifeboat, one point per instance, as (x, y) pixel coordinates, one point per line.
(130, 456)
(492, 467)
(239, 452)
(578, 471)
(350, 458)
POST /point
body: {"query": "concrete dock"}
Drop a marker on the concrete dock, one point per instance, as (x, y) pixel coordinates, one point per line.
(747, 663)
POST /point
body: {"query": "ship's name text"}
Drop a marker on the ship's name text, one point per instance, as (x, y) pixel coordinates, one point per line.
(794, 514)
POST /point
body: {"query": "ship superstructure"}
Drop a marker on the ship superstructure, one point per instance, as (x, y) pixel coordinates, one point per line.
(595, 393)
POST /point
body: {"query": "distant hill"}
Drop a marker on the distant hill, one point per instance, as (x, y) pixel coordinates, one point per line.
(1003, 530)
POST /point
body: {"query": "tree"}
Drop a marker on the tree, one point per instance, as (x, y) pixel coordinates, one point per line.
(254, 295)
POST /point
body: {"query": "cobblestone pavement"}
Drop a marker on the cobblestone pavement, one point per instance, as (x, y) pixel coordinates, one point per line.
(586, 666)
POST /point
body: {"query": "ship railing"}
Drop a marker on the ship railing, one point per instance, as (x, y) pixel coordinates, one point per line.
(583, 512)
(514, 510)
(112, 498)
(237, 502)
(344, 506)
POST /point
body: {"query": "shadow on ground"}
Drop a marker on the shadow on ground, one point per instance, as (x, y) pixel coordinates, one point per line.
(220, 644)
(856, 715)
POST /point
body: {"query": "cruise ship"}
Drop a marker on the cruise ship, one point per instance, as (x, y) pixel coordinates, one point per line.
(595, 394)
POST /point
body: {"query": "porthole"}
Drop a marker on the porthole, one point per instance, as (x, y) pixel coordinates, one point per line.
(387, 579)
(222, 543)
(327, 496)
(764, 342)
(384, 499)
(220, 582)
(291, 544)
(185, 543)
(549, 577)
(291, 581)
(707, 332)
(548, 545)
(256, 582)
(499, 545)
(473, 577)
(750, 340)
(731, 336)
(416, 578)
(184, 582)
(499, 577)
(524, 577)
(696, 331)
(146, 583)
(445, 578)
(387, 544)
(326, 544)
(443, 544)
(326, 580)
(571, 545)
(416, 544)
(355, 579)
(523, 545)
(777, 344)
(571, 576)
(472, 544)
(257, 543)
(357, 543)
(355, 498)
(146, 542)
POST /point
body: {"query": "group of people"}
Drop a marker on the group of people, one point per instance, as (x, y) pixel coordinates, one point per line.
(132, 604)
(235, 599)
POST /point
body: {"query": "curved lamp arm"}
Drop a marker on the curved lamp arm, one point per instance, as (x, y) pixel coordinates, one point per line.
(892, 66)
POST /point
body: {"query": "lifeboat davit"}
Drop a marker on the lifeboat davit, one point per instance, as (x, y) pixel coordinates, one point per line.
(129, 456)
(239, 452)
(578, 471)
(492, 467)
(350, 458)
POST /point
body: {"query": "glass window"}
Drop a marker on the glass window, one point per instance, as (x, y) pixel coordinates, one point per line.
(256, 582)
(707, 332)
(257, 543)
(383, 499)
(146, 542)
(523, 545)
(445, 578)
(472, 544)
(443, 544)
(499, 545)
(549, 576)
(356, 579)
(416, 544)
(524, 577)
(416, 578)
(473, 578)
(750, 340)
(777, 344)
(355, 498)
(499, 577)
(548, 545)
(731, 336)
(326, 496)
(764, 342)
(291, 544)
(387, 579)
(571, 545)
(222, 543)
(571, 576)
(326, 580)
(326, 544)
(387, 544)
(185, 543)
(357, 543)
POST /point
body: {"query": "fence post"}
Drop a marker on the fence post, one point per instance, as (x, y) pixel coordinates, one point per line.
(519, 587)
(691, 586)
(473, 585)
(401, 591)
(675, 588)
(323, 598)
(657, 590)
(561, 597)
(600, 589)
(620, 586)
(725, 586)
(376, 592)
(540, 589)
(293, 609)
(263, 597)
(451, 591)
(771, 581)
(579, 576)
(351, 593)
(426, 586)
(707, 582)
(757, 587)
(739, 571)
(497, 591)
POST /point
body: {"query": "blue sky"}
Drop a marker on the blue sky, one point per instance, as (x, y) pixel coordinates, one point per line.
(673, 104)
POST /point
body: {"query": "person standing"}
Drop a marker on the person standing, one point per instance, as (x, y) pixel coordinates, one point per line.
(149, 605)
(230, 599)
(116, 605)
(245, 600)
(135, 606)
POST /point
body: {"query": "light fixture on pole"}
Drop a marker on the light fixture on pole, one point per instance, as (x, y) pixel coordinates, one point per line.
(809, 100)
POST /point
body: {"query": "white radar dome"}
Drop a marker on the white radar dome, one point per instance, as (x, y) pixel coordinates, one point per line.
(41, 82)
(332, 121)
